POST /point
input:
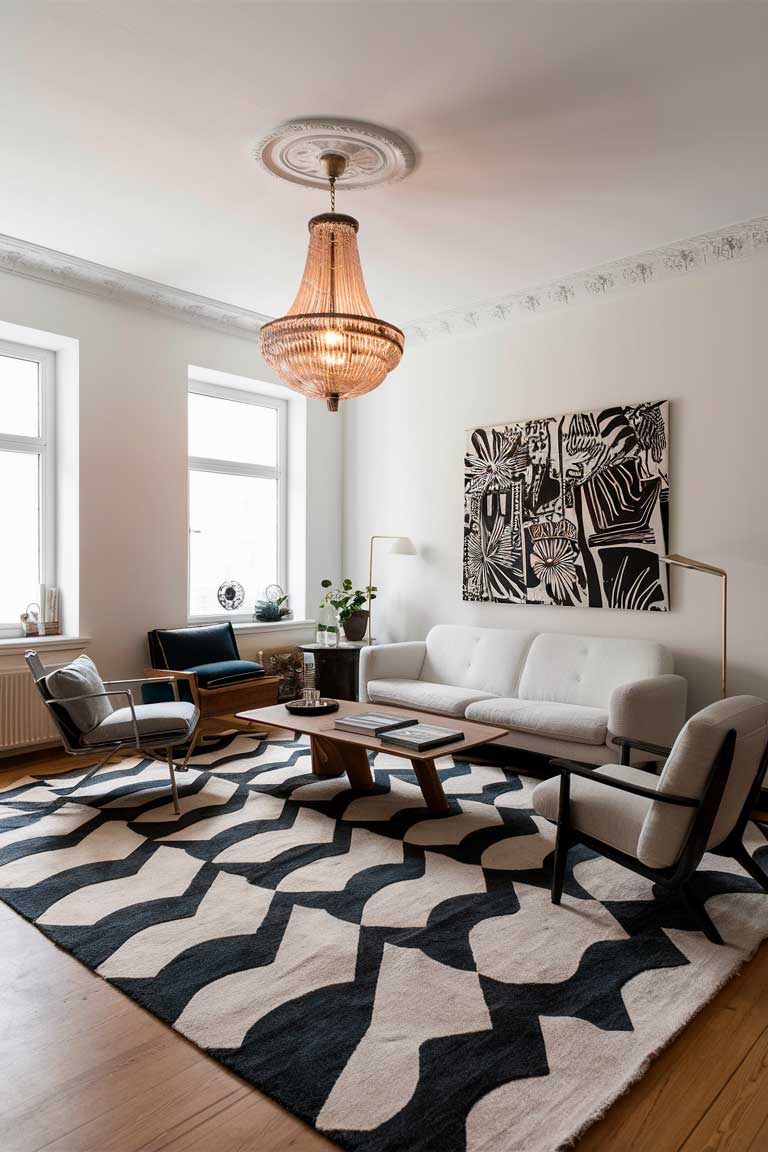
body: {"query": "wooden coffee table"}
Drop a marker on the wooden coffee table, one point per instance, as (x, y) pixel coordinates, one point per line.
(334, 751)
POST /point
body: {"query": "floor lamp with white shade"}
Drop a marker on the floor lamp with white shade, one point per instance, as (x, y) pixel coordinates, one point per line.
(399, 546)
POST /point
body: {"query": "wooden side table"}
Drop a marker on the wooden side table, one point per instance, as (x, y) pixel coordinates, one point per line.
(336, 669)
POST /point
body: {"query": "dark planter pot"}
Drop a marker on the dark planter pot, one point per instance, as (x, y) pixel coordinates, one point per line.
(355, 625)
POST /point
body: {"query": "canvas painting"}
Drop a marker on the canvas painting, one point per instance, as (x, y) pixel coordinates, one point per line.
(570, 510)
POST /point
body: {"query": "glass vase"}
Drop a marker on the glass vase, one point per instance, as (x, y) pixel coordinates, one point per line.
(328, 627)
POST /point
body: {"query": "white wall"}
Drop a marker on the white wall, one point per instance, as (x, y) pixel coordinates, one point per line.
(701, 342)
(133, 476)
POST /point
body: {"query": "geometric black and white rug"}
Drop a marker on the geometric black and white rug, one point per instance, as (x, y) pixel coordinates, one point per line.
(397, 979)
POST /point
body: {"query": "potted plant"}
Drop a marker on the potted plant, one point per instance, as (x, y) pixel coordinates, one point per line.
(349, 604)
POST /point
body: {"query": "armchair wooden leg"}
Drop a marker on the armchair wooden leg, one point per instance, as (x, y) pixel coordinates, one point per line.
(174, 792)
(563, 834)
(561, 859)
(751, 866)
(699, 913)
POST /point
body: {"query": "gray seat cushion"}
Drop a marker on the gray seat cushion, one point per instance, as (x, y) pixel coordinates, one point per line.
(175, 720)
(423, 695)
(77, 679)
(598, 810)
(544, 718)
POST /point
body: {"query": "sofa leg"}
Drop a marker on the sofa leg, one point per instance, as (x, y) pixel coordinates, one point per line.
(699, 913)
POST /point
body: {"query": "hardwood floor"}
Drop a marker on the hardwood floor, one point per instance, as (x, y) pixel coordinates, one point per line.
(84, 1069)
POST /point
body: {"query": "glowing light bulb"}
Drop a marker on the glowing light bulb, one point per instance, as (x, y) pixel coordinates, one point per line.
(332, 338)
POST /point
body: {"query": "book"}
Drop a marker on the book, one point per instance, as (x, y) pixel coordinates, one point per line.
(420, 737)
(371, 723)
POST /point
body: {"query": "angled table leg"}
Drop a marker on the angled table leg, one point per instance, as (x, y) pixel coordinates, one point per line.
(429, 782)
(332, 757)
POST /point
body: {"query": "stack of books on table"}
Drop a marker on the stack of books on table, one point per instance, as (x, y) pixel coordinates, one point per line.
(420, 737)
(372, 723)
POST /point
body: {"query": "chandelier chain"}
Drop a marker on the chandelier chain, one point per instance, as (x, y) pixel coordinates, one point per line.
(332, 182)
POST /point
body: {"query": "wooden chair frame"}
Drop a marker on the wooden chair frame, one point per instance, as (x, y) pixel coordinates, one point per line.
(677, 878)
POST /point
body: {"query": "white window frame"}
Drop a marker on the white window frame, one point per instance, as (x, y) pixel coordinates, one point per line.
(233, 468)
(43, 446)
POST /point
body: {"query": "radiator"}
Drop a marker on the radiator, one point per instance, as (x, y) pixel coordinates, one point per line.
(24, 720)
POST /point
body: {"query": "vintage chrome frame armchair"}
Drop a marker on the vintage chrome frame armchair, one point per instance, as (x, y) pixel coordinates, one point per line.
(150, 745)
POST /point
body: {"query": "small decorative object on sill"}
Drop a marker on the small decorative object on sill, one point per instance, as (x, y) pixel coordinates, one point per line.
(33, 624)
(266, 612)
(231, 595)
(349, 604)
(273, 607)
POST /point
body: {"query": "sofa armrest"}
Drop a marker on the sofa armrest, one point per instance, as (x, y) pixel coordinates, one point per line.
(652, 710)
(391, 662)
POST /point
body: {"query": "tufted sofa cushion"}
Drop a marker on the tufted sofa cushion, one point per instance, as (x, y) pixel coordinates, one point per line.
(486, 660)
(586, 669)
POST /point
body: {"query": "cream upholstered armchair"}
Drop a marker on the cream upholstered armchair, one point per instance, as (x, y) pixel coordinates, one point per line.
(662, 826)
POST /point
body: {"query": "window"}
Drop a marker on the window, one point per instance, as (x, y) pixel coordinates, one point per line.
(27, 514)
(237, 459)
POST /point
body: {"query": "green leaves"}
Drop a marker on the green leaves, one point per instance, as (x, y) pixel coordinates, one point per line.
(347, 599)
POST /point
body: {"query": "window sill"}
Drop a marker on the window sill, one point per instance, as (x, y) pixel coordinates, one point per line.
(246, 626)
(21, 643)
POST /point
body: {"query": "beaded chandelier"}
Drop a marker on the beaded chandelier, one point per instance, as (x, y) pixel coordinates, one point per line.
(330, 345)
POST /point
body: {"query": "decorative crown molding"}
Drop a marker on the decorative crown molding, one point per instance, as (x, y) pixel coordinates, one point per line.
(736, 242)
(37, 263)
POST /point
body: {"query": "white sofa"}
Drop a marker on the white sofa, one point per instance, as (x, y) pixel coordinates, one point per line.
(558, 695)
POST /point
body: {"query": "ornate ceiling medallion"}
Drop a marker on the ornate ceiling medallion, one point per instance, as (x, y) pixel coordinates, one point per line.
(372, 155)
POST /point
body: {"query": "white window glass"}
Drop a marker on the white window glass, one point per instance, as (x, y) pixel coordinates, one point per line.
(233, 536)
(223, 429)
(236, 518)
(20, 533)
(19, 397)
(26, 480)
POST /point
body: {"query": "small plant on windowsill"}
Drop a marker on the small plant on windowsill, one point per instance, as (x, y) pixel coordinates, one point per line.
(268, 610)
(349, 606)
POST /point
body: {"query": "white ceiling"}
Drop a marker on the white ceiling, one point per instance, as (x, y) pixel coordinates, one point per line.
(552, 136)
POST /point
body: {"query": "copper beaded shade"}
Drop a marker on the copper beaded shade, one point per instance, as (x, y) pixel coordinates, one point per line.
(330, 345)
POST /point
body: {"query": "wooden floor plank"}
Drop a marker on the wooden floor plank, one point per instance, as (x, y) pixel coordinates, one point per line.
(739, 1115)
(84, 1069)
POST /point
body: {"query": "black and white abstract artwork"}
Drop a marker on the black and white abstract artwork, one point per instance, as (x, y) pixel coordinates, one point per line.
(569, 510)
